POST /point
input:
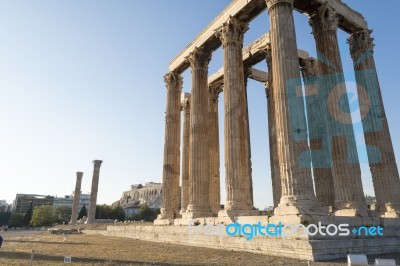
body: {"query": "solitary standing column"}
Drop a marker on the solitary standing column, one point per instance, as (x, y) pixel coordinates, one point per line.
(273, 148)
(171, 166)
(93, 193)
(238, 185)
(77, 198)
(199, 137)
(317, 129)
(382, 162)
(185, 151)
(349, 198)
(298, 202)
(215, 197)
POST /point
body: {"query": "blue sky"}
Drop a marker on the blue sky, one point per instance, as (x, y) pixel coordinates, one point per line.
(83, 80)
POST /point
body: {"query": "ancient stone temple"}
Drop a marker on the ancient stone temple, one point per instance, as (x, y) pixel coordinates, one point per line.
(315, 169)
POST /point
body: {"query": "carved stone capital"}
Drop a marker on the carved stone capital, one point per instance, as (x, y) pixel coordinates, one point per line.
(360, 43)
(272, 3)
(268, 57)
(185, 102)
(97, 163)
(199, 58)
(325, 18)
(309, 67)
(214, 90)
(173, 81)
(232, 32)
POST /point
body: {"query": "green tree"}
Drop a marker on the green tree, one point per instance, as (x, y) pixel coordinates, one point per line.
(63, 214)
(43, 215)
(82, 212)
(16, 220)
(28, 216)
(146, 213)
(109, 212)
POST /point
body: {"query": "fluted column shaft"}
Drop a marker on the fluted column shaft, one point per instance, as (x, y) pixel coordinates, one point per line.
(199, 154)
(317, 128)
(236, 133)
(185, 151)
(171, 166)
(273, 151)
(77, 198)
(296, 180)
(93, 192)
(382, 161)
(345, 163)
(215, 196)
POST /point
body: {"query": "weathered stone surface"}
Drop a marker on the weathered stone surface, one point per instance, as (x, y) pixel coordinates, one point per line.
(296, 246)
(77, 197)
(93, 192)
(339, 144)
(199, 153)
(237, 150)
(382, 161)
(317, 130)
(215, 194)
(185, 151)
(171, 167)
(295, 175)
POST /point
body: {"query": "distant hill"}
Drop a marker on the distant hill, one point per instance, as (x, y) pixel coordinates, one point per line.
(150, 194)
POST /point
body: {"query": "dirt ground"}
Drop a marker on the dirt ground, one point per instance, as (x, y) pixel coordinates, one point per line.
(101, 250)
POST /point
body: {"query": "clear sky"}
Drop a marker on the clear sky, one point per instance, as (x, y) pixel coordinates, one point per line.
(83, 80)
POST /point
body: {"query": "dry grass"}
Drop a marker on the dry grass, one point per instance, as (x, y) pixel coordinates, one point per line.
(102, 250)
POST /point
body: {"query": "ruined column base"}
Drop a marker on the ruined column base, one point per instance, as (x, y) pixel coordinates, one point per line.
(166, 217)
(194, 212)
(292, 210)
(390, 210)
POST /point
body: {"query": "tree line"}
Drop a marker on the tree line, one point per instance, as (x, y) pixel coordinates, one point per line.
(49, 215)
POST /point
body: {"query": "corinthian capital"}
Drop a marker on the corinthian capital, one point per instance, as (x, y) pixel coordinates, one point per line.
(271, 3)
(214, 91)
(309, 67)
(199, 58)
(360, 43)
(325, 18)
(232, 32)
(185, 101)
(173, 81)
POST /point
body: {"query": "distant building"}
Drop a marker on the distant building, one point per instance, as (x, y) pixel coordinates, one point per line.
(68, 200)
(4, 206)
(22, 202)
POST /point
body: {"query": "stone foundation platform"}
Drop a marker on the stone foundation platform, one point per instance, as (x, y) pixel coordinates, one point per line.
(296, 247)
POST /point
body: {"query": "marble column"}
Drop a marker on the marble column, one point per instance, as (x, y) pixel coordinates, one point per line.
(185, 151)
(215, 196)
(273, 151)
(246, 76)
(199, 154)
(382, 162)
(298, 202)
(77, 198)
(236, 133)
(93, 192)
(171, 167)
(317, 130)
(349, 196)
